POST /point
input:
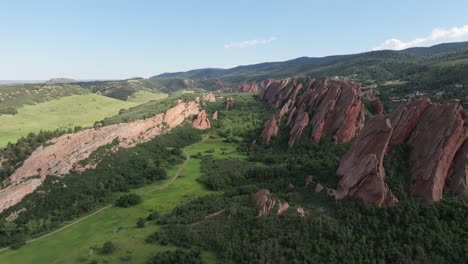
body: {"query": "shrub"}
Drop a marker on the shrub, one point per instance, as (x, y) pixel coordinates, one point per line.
(128, 200)
(108, 248)
(140, 223)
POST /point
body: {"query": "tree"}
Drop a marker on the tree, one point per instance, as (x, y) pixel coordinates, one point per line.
(108, 248)
(140, 223)
(128, 200)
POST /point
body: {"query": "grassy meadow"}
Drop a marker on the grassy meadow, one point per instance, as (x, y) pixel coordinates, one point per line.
(80, 243)
(65, 112)
(144, 96)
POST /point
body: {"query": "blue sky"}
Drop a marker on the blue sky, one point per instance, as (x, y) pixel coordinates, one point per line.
(117, 39)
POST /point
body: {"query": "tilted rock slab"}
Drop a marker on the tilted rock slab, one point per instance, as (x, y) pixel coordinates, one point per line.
(66, 151)
(458, 176)
(361, 169)
(434, 132)
(331, 107)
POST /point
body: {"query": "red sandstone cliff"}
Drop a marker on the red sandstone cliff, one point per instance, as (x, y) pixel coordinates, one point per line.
(64, 152)
(434, 133)
(335, 104)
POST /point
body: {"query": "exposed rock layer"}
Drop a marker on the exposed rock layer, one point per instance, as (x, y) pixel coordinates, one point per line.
(458, 178)
(209, 97)
(64, 152)
(330, 107)
(434, 133)
(201, 121)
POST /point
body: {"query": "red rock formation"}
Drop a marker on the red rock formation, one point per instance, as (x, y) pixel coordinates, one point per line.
(215, 115)
(433, 131)
(209, 97)
(458, 179)
(434, 142)
(282, 207)
(377, 106)
(246, 88)
(301, 122)
(405, 118)
(338, 110)
(201, 121)
(270, 129)
(263, 202)
(229, 103)
(361, 169)
(64, 152)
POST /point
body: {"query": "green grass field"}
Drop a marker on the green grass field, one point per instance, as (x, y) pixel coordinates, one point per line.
(143, 96)
(66, 112)
(78, 243)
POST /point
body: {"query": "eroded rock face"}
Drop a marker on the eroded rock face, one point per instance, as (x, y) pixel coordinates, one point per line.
(215, 115)
(434, 142)
(361, 169)
(335, 104)
(270, 129)
(458, 177)
(201, 121)
(64, 152)
(209, 98)
(263, 202)
(434, 133)
(377, 106)
(247, 87)
(405, 118)
(229, 103)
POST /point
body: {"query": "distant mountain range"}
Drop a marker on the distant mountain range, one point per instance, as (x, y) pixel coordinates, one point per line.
(374, 65)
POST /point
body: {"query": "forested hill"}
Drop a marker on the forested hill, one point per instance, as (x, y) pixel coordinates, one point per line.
(374, 65)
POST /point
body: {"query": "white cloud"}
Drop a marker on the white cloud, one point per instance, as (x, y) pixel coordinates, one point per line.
(438, 35)
(249, 43)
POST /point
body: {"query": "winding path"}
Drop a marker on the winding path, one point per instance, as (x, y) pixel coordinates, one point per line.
(165, 185)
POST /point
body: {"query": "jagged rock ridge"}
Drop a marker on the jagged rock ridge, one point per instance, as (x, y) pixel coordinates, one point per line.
(330, 107)
(434, 132)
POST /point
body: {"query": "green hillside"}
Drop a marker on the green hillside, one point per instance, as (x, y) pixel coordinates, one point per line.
(65, 112)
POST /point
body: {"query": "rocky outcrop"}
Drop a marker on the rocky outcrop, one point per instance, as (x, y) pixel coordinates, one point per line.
(247, 87)
(335, 104)
(63, 153)
(215, 115)
(405, 118)
(434, 142)
(458, 177)
(265, 203)
(270, 129)
(282, 207)
(201, 121)
(361, 169)
(434, 133)
(229, 103)
(377, 106)
(209, 97)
